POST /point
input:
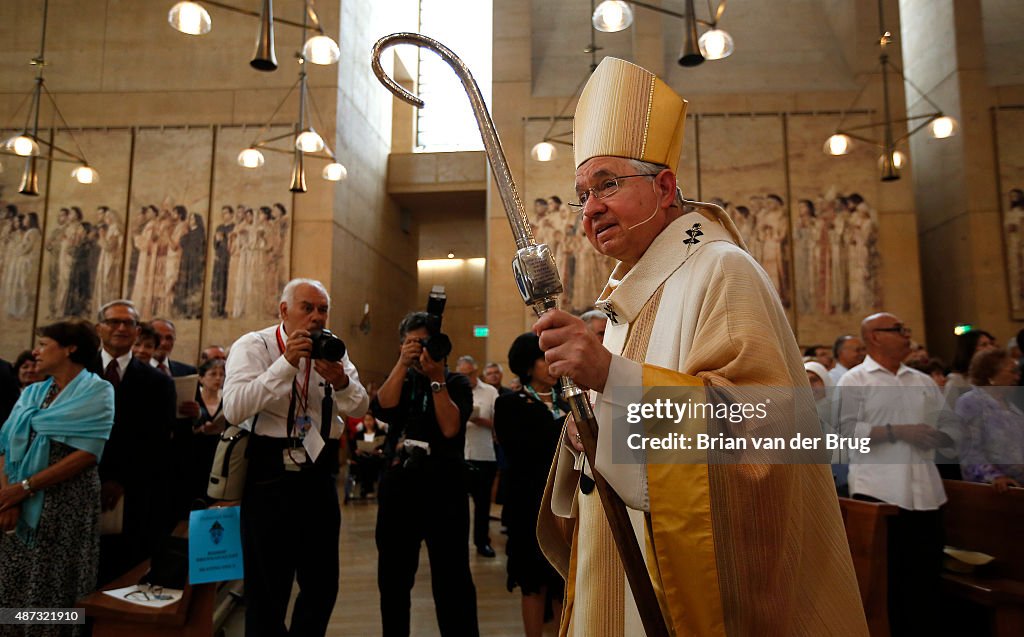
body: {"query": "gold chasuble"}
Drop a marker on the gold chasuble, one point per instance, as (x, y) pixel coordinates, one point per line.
(738, 550)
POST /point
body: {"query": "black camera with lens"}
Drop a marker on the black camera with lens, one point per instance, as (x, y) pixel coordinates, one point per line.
(326, 346)
(438, 345)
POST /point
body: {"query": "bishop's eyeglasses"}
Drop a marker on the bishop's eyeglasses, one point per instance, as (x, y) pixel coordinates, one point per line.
(608, 187)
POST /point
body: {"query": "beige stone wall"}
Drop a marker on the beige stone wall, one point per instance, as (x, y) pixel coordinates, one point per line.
(374, 259)
(464, 284)
(117, 63)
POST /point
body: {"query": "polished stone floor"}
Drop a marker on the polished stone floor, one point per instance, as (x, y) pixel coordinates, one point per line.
(357, 611)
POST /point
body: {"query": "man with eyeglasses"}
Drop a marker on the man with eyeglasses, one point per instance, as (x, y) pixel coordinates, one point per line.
(737, 549)
(134, 466)
(896, 406)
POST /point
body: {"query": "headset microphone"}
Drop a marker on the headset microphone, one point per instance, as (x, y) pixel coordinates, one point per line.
(653, 214)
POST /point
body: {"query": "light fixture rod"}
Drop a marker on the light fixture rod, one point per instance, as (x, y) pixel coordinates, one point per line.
(911, 118)
(39, 61)
(884, 58)
(298, 168)
(81, 153)
(931, 117)
(915, 87)
(302, 25)
(263, 143)
(302, 83)
(593, 45)
(270, 121)
(681, 16)
(42, 38)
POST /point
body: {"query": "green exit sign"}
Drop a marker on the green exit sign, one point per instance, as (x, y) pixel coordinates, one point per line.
(481, 331)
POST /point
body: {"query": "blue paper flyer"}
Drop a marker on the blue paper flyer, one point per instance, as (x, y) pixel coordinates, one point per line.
(214, 545)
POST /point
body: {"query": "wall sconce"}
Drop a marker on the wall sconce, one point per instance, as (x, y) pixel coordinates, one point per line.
(29, 145)
(192, 18)
(612, 16)
(891, 161)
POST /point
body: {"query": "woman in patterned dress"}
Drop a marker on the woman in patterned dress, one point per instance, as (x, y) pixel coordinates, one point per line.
(49, 484)
(992, 444)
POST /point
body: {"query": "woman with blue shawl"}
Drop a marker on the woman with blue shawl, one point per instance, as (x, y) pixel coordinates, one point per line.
(49, 484)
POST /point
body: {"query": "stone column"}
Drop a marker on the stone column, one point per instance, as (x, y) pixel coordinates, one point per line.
(964, 274)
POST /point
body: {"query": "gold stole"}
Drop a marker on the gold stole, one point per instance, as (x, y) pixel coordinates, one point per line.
(596, 607)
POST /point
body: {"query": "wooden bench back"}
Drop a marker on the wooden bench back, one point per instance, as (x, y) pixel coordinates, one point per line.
(977, 518)
(867, 534)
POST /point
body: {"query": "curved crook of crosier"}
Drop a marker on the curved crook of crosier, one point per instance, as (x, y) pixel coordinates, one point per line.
(492, 144)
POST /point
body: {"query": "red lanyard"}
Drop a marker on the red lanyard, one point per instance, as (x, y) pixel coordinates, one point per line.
(302, 391)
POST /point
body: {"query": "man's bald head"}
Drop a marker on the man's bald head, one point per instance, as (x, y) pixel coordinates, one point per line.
(871, 322)
(886, 337)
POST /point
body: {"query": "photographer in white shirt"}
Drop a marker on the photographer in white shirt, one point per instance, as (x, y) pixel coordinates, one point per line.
(276, 385)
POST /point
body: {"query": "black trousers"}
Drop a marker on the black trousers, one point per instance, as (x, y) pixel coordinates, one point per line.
(915, 542)
(290, 527)
(480, 484)
(425, 504)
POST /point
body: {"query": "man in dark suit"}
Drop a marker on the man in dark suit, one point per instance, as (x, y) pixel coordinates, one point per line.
(162, 356)
(134, 463)
(180, 454)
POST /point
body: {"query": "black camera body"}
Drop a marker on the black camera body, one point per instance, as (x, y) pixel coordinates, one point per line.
(438, 345)
(326, 346)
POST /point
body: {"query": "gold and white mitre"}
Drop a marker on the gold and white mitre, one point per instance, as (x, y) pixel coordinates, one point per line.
(626, 111)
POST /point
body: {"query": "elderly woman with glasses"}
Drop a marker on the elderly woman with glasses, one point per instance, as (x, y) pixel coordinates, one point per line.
(49, 485)
(992, 446)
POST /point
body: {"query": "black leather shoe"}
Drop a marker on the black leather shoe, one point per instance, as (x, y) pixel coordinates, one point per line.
(485, 550)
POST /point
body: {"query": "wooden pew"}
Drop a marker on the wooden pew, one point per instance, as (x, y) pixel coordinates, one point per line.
(977, 518)
(192, 616)
(867, 534)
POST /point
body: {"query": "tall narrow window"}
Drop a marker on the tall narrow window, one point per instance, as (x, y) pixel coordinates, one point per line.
(447, 123)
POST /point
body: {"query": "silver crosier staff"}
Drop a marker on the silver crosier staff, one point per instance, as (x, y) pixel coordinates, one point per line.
(538, 282)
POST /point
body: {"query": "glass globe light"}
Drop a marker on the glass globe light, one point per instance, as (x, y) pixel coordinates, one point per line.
(190, 18)
(309, 141)
(890, 164)
(943, 127)
(321, 49)
(250, 158)
(838, 144)
(544, 151)
(612, 16)
(22, 145)
(335, 172)
(715, 44)
(85, 174)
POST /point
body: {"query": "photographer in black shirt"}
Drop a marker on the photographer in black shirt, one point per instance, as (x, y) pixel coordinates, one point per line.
(423, 492)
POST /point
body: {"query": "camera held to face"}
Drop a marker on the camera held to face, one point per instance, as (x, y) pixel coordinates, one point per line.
(326, 346)
(438, 345)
